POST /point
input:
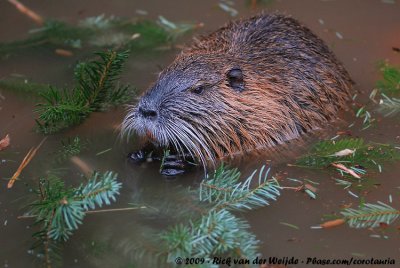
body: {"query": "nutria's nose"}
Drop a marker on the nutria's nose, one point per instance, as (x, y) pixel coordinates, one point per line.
(148, 113)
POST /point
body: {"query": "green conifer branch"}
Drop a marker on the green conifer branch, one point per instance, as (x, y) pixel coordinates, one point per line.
(70, 147)
(99, 31)
(225, 190)
(60, 210)
(96, 90)
(389, 106)
(365, 154)
(370, 215)
(389, 87)
(390, 82)
(214, 234)
(218, 231)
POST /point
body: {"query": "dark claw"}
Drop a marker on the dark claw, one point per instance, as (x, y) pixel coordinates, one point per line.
(172, 166)
(177, 164)
(172, 172)
(138, 156)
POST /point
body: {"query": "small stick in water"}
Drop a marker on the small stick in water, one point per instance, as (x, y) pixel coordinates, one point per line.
(5, 142)
(28, 12)
(32, 152)
(82, 165)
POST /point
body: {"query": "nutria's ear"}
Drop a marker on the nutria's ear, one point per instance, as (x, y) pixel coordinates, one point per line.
(235, 79)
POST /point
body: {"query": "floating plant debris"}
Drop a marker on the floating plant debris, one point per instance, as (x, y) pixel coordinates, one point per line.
(230, 10)
(366, 216)
(390, 82)
(100, 31)
(364, 154)
(5, 142)
(29, 156)
(290, 225)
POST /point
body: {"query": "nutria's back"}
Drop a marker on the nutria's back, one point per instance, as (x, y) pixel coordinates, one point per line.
(253, 83)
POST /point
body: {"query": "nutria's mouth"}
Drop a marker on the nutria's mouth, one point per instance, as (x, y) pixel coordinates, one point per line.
(176, 135)
(151, 137)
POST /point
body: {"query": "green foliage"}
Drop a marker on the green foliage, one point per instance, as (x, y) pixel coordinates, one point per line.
(225, 190)
(70, 147)
(97, 80)
(215, 234)
(55, 33)
(98, 191)
(173, 29)
(366, 155)
(389, 106)
(251, 3)
(59, 210)
(368, 120)
(218, 232)
(389, 85)
(96, 90)
(390, 82)
(150, 35)
(370, 215)
(61, 109)
(99, 31)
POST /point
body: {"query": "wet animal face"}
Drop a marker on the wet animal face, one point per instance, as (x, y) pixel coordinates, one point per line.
(252, 84)
(187, 108)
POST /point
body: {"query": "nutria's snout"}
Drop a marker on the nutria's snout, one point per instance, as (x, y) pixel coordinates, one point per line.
(148, 113)
(146, 117)
(254, 83)
(143, 119)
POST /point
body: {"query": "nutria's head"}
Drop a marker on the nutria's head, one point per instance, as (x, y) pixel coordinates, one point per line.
(209, 106)
(252, 84)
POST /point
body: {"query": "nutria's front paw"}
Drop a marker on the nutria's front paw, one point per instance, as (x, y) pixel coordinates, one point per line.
(172, 165)
(137, 156)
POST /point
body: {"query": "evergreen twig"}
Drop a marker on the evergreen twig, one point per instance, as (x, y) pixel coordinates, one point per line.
(225, 190)
(218, 231)
(99, 31)
(96, 90)
(390, 82)
(389, 106)
(323, 154)
(370, 215)
(60, 210)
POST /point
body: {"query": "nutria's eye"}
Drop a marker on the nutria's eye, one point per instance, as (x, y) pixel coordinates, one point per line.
(198, 89)
(235, 79)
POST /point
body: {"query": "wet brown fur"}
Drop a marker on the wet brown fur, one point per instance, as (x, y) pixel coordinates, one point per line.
(292, 84)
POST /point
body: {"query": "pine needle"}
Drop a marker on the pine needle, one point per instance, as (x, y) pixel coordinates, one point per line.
(82, 165)
(332, 223)
(23, 217)
(28, 12)
(5, 142)
(32, 152)
(346, 169)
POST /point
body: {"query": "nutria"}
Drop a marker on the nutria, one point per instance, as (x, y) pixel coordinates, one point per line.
(252, 84)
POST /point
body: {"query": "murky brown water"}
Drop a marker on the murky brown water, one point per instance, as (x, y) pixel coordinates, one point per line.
(369, 29)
